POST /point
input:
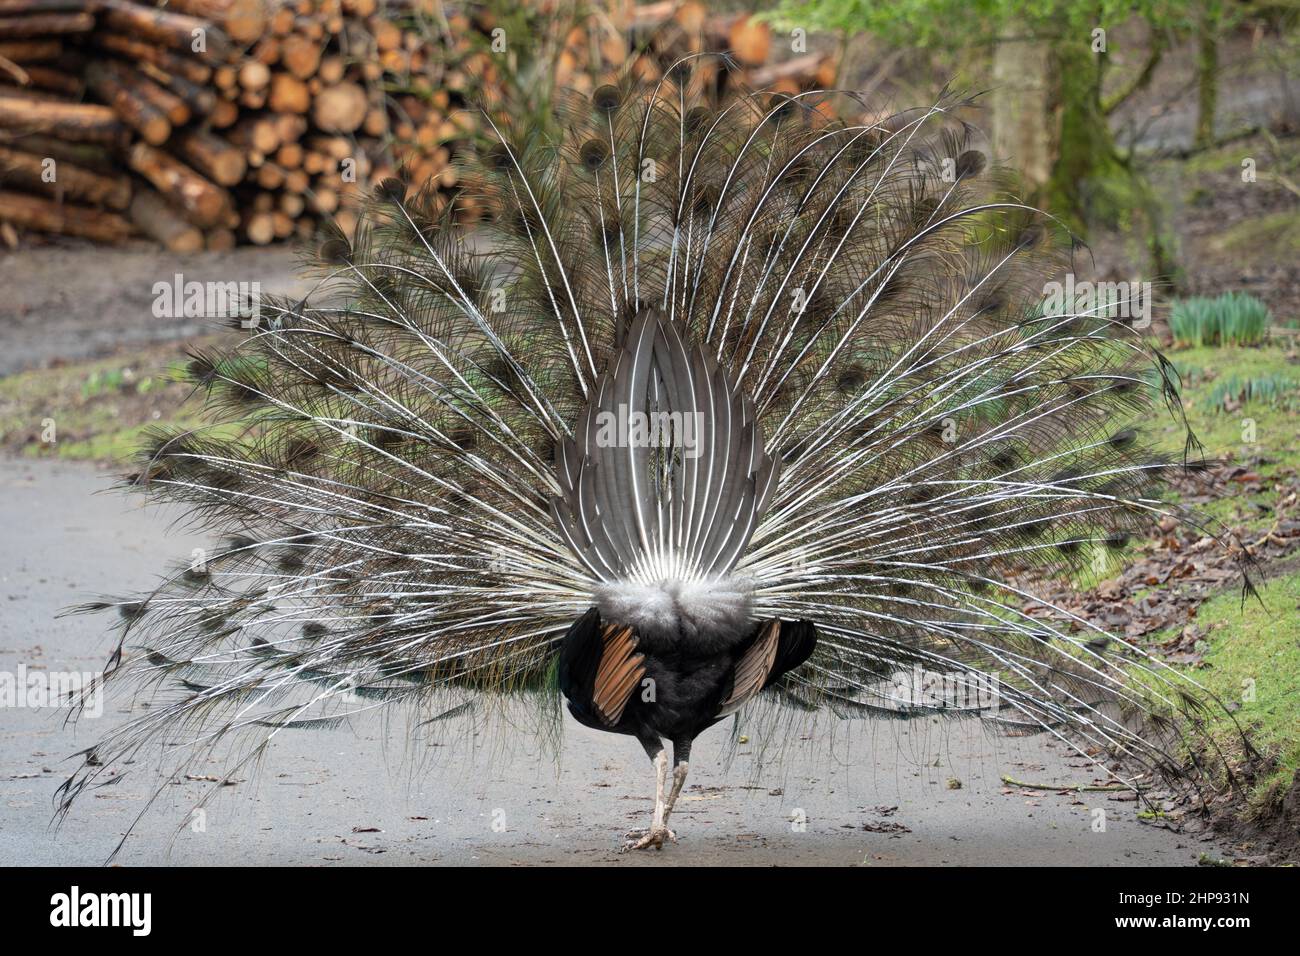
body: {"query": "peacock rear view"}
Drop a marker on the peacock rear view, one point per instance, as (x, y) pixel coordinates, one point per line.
(728, 399)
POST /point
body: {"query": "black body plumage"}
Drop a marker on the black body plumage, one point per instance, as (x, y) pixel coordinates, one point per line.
(681, 690)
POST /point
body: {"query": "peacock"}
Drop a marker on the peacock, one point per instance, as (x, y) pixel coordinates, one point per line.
(724, 402)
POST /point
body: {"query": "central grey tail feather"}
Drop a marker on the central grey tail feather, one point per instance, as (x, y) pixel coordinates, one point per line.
(667, 476)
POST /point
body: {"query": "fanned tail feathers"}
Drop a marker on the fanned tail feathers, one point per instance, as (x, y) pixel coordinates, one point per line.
(413, 504)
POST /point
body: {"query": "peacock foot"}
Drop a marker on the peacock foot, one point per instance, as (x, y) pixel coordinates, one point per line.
(643, 839)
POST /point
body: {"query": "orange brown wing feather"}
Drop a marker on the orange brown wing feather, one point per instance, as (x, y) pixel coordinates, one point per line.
(621, 669)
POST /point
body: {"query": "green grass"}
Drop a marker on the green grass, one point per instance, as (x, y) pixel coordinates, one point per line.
(99, 409)
(1259, 644)
(1254, 643)
(1253, 662)
(1255, 649)
(1261, 431)
(1276, 390)
(1258, 429)
(1233, 318)
(1205, 372)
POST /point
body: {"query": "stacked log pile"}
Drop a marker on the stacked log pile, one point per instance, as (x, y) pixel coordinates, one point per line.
(205, 123)
(657, 35)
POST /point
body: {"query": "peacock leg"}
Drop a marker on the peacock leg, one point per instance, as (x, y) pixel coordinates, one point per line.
(681, 764)
(658, 832)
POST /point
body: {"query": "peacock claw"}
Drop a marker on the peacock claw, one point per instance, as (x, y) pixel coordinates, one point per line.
(643, 839)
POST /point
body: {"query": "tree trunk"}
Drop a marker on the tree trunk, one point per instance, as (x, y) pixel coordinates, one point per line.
(1091, 182)
(1085, 157)
(1049, 123)
(1021, 106)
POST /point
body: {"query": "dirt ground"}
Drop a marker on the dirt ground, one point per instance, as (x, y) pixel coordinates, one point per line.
(66, 300)
(902, 793)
